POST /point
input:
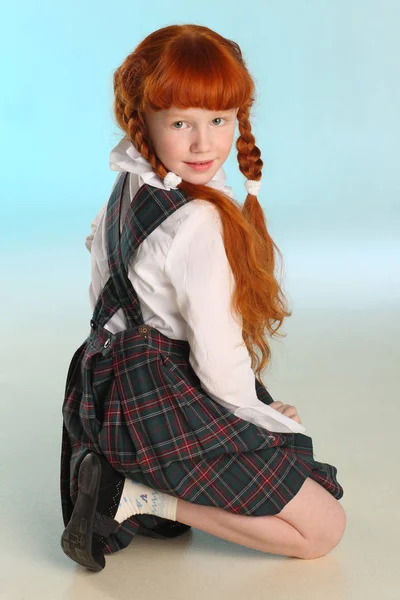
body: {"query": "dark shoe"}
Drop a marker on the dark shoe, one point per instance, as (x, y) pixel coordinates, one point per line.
(99, 492)
(169, 529)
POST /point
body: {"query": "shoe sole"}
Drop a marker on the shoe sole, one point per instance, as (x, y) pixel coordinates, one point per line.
(76, 541)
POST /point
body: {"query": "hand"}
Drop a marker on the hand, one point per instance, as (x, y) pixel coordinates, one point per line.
(287, 410)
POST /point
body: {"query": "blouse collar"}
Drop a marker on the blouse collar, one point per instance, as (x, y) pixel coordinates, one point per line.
(125, 157)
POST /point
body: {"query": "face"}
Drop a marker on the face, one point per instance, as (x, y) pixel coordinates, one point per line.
(182, 136)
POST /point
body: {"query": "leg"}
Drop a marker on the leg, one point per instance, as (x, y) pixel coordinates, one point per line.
(268, 534)
(309, 526)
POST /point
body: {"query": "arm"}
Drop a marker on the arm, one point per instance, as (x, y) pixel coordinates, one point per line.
(198, 268)
(95, 223)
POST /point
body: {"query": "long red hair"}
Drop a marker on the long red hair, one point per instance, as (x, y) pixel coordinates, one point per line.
(193, 66)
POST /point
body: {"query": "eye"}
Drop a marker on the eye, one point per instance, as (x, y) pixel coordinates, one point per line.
(219, 119)
(177, 122)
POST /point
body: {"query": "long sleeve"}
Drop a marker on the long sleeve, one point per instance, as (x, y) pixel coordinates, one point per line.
(199, 270)
(93, 227)
(95, 223)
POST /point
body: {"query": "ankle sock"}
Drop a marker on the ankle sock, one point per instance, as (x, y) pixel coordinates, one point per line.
(138, 499)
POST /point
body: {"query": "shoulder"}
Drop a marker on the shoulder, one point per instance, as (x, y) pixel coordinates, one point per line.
(197, 213)
(198, 221)
(197, 236)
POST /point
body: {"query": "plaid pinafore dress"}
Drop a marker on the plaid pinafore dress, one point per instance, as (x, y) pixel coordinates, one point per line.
(134, 397)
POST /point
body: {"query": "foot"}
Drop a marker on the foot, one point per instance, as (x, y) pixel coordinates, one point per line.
(92, 520)
(86, 534)
(169, 529)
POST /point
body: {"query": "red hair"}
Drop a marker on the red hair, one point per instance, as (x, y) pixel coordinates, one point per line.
(192, 66)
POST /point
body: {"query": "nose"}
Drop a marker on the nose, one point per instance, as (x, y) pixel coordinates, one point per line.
(201, 140)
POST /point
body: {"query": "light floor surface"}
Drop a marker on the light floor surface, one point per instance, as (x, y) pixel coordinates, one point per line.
(338, 364)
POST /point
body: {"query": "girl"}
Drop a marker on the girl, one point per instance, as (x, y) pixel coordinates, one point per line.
(166, 422)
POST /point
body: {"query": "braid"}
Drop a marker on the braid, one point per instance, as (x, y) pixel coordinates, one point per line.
(138, 135)
(128, 90)
(250, 163)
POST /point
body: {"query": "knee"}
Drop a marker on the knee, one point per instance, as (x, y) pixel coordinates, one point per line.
(329, 538)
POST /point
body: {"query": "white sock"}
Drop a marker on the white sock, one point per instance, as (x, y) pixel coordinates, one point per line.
(138, 499)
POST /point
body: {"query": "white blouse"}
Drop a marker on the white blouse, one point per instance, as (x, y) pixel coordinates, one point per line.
(184, 283)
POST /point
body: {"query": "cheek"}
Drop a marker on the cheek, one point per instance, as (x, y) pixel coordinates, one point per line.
(227, 137)
(171, 147)
(226, 143)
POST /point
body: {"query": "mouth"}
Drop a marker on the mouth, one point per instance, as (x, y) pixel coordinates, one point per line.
(201, 165)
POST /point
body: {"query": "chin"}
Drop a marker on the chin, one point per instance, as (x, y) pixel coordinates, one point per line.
(199, 180)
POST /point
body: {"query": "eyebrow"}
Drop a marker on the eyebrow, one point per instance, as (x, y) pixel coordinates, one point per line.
(177, 113)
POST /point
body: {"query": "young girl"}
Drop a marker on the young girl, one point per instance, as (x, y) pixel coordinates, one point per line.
(166, 422)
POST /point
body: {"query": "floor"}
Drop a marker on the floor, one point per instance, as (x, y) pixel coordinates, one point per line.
(338, 365)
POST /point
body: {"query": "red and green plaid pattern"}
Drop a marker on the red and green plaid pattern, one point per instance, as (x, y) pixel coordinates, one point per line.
(134, 397)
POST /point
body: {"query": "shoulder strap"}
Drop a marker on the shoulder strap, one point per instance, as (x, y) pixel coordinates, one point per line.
(148, 209)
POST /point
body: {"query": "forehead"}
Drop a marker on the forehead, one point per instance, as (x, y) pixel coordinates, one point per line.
(192, 112)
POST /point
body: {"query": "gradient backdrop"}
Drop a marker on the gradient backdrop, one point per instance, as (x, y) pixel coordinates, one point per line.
(327, 122)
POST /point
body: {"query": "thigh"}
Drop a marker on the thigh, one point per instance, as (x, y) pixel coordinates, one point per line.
(315, 513)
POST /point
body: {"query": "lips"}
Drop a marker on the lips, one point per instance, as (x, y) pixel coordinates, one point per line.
(200, 168)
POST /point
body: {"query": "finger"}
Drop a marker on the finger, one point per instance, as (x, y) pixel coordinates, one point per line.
(297, 419)
(290, 411)
(283, 407)
(293, 415)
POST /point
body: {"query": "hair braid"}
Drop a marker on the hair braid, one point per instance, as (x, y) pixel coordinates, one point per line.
(248, 155)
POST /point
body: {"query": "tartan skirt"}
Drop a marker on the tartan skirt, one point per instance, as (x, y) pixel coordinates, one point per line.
(134, 397)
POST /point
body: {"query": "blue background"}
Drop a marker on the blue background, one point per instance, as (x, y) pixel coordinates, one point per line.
(327, 122)
(326, 119)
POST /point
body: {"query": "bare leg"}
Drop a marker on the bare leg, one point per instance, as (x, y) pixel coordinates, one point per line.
(309, 526)
(268, 534)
